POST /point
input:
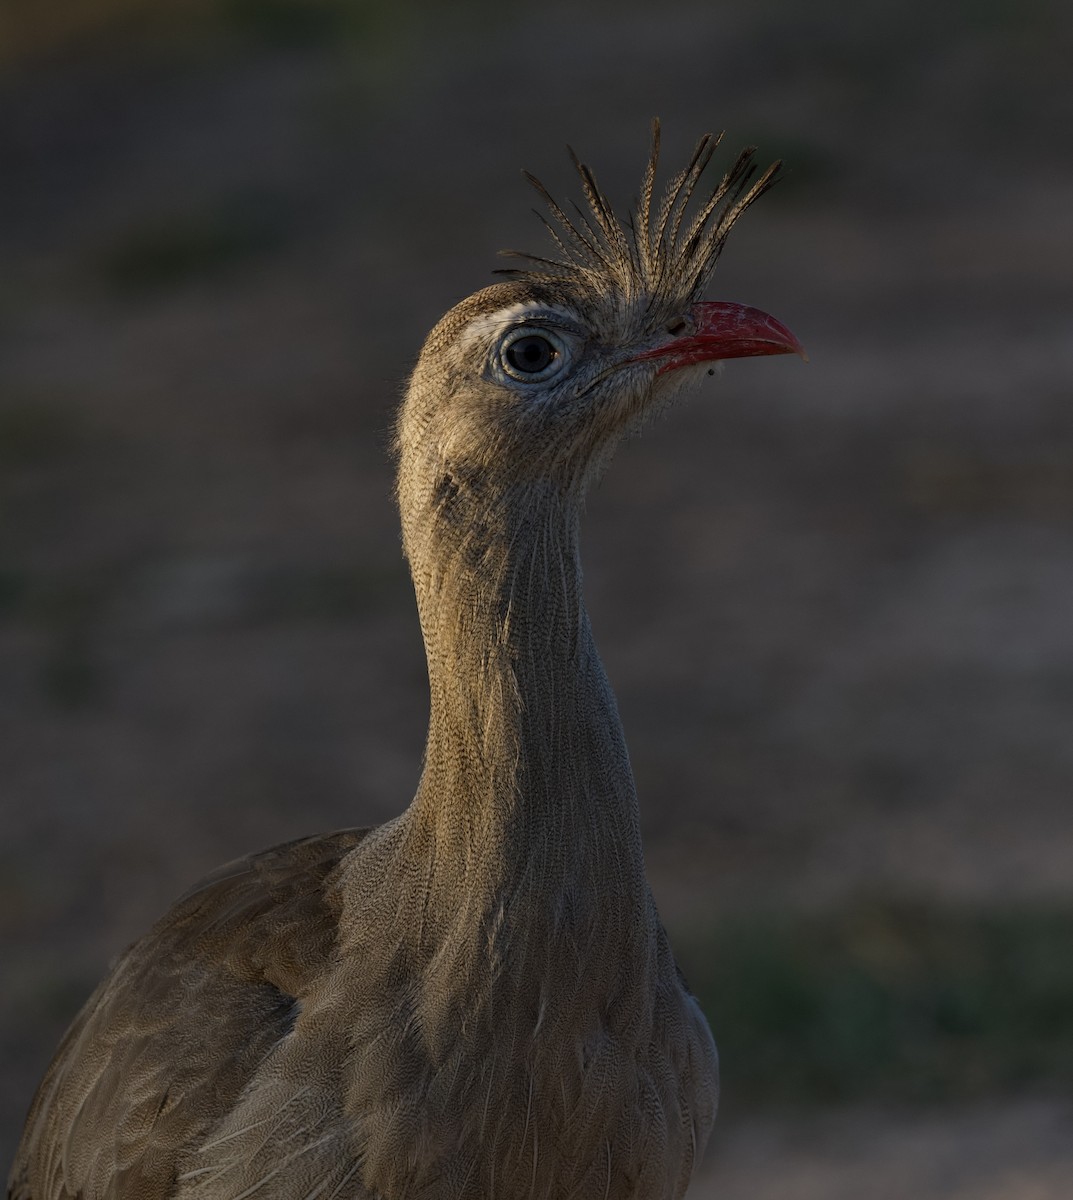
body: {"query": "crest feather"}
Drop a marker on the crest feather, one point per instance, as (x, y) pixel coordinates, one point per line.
(663, 259)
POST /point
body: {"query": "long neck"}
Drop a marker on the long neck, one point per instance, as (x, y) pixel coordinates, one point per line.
(502, 933)
(527, 783)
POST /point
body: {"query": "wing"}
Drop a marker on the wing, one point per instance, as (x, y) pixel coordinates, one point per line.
(166, 1044)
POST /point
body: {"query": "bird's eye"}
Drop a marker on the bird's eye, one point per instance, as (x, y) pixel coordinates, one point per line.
(531, 356)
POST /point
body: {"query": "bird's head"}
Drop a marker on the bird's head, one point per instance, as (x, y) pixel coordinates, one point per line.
(528, 385)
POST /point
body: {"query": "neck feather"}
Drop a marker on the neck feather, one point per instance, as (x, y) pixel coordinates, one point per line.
(526, 771)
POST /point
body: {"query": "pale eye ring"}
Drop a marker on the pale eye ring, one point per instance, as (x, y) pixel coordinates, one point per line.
(532, 355)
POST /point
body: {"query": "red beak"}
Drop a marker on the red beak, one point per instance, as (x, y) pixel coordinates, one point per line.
(724, 330)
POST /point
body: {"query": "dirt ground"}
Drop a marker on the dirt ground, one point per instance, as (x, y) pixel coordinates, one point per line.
(835, 600)
(1016, 1150)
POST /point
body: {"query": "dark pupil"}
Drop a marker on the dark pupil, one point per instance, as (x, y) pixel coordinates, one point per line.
(530, 354)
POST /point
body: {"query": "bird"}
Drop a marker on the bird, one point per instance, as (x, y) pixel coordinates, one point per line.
(477, 998)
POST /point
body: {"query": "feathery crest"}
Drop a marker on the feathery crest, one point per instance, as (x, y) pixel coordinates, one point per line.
(655, 259)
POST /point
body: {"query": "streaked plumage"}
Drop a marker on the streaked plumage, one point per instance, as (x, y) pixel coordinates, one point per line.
(476, 999)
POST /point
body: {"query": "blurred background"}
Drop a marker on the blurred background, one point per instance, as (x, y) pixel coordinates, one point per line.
(836, 600)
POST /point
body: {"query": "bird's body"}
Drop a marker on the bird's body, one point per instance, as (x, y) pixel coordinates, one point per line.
(476, 999)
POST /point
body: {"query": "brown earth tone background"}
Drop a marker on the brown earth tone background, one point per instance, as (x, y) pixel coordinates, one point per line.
(836, 600)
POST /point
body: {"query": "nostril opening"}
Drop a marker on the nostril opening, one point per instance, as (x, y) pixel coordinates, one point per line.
(677, 327)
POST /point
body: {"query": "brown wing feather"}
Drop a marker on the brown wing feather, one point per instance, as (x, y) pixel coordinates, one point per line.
(165, 1045)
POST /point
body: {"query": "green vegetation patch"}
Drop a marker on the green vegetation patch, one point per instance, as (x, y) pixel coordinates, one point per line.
(293, 22)
(174, 250)
(891, 1001)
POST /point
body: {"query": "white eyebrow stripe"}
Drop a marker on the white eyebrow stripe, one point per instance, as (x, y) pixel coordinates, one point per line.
(485, 326)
